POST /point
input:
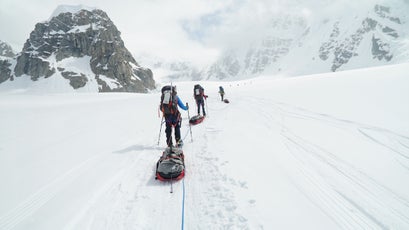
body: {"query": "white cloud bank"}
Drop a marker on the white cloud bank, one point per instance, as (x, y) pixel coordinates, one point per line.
(193, 30)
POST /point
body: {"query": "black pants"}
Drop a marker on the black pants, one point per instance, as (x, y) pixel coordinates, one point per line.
(200, 103)
(172, 121)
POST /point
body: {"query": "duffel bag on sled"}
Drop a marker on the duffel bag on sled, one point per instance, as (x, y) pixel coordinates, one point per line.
(171, 165)
(196, 119)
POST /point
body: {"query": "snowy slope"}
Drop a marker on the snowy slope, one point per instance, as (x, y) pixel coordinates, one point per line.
(295, 38)
(328, 151)
(310, 37)
(57, 84)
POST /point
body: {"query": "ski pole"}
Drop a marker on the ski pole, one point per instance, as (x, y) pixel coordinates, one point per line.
(160, 130)
(190, 126)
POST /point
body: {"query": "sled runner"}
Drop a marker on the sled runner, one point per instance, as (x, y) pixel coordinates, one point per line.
(171, 165)
(196, 119)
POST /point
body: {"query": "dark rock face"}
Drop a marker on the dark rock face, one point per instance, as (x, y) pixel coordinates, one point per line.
(380, 50)
(76, 80)
(344, 50)
(6, 54)
(5, 71)
(85, 33)
(33, 66)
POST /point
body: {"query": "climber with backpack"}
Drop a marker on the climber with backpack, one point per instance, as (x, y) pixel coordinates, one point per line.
(198, 94)
(169, 106)
(221, 92)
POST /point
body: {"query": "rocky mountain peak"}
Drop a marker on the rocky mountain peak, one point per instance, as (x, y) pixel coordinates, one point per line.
(89, 38)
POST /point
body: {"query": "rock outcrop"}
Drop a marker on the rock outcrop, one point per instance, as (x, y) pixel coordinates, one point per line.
(6, 56)
(90, 36)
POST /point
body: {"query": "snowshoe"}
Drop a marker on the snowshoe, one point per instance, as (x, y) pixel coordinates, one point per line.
(171, 165)
(196, 119)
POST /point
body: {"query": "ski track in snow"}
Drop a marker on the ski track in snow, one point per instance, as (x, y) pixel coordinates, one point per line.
(45, 194)
(210, 203)
(119, 206)
(213, 206)
(368, 205)
(131, 198)
(398, 144)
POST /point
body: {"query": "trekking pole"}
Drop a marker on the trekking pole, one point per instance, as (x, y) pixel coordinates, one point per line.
(190, 126)
(171, 180)
(207, 109)
(160, 130)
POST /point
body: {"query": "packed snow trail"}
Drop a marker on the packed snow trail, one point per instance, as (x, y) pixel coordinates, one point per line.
(270, 159)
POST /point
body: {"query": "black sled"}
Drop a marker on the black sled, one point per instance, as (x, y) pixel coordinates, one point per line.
(196, 119)
(171, 165)
(226, 101)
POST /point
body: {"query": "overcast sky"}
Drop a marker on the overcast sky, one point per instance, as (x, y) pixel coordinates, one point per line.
(171, 29)
(194, 30)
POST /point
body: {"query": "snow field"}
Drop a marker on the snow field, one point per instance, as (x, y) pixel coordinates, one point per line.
(317, 152)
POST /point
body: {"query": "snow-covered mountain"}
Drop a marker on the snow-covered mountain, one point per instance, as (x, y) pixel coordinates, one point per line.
(328, 151)
(79, 48)
(318, 37)
(306, 37)
(330, 38)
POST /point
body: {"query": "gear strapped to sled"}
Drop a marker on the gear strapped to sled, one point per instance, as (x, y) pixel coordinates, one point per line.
(171, 165)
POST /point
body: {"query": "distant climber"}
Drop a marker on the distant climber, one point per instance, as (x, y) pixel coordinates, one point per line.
(198, 94)
(221, 92)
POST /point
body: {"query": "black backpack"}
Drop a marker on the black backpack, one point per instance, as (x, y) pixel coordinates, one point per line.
(198, 92)
(221, 90)
(169, 100)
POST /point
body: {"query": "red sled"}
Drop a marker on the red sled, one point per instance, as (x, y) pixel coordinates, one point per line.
(171, 165)
(196, 119)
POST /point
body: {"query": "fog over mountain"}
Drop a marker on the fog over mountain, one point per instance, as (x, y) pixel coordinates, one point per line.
(296, 38)
(246, 39)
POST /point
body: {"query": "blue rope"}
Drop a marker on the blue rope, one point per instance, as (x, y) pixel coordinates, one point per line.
(183, 205)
